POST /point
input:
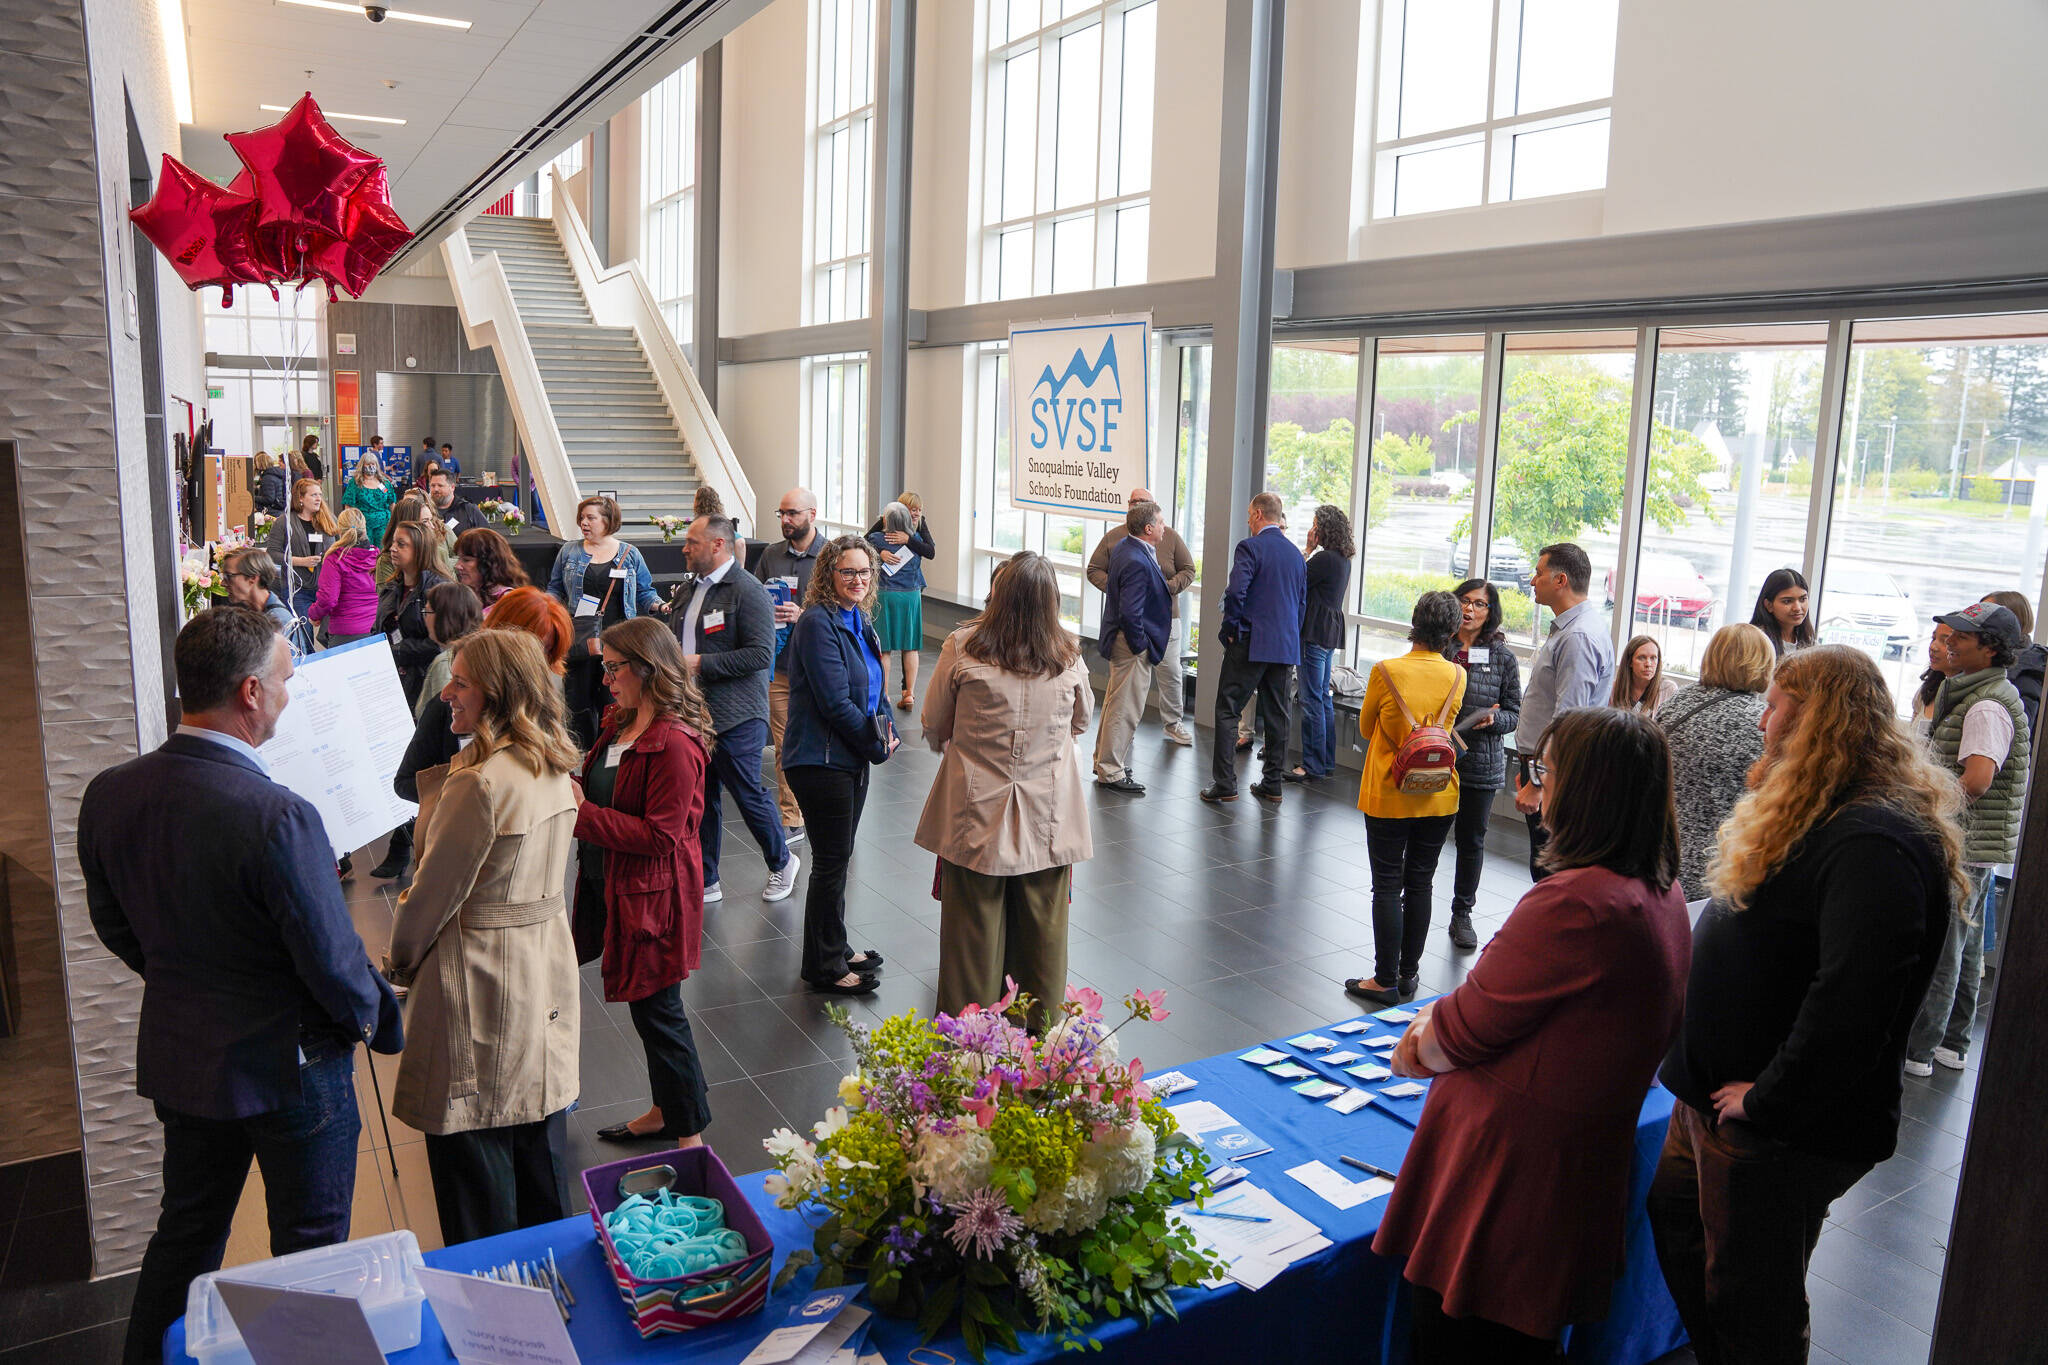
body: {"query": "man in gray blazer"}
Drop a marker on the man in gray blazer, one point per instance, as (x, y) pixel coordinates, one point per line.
(1175, 561)
(216, 886)
(726, 625)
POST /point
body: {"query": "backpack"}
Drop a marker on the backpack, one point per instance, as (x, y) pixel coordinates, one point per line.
(1427, 761)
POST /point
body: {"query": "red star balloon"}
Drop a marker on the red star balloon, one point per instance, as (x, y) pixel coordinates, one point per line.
(375, 233)
(303, 171)
(200, 227)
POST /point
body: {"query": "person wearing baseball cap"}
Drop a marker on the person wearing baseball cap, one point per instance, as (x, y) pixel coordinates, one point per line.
(1979, 731)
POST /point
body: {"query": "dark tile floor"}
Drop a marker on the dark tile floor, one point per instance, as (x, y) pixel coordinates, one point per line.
(1250, 917)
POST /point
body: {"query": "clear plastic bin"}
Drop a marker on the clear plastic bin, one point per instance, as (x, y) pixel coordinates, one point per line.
(380, 1271)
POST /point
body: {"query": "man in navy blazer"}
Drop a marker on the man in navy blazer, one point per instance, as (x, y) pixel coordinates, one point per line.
(216, 885)
(1137, 618)
(1261, 637)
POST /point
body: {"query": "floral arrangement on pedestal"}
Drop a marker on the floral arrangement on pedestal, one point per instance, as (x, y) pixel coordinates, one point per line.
(501, 511)
(1021, 1183)
(670, 527)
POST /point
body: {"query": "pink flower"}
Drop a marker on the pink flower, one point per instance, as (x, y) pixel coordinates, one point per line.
(1147, 1005)
(983, 1225)
(1089, 1000)
(1002, 1006)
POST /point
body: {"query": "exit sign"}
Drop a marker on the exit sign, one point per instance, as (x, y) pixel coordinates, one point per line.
(212, 392)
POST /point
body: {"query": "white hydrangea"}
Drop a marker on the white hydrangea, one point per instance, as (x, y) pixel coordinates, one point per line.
(1083, 1031)
(1122, 1159)
(1075, 1207)
(952, 1165)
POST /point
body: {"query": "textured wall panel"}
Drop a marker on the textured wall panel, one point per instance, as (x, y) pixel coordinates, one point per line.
(46, 133)
(78, 635)
(45, 244)
(105, 1004)
(122, 1139)
(55, 401)
(74, 534)
(41, 29)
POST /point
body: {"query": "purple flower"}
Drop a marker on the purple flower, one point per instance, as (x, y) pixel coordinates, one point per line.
(900, 1245)
(983, 1225)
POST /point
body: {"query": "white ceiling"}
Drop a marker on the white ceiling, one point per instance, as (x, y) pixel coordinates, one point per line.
(466, 96)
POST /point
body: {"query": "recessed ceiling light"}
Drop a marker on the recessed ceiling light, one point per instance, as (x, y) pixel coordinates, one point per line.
(354, 118)
(407, 15)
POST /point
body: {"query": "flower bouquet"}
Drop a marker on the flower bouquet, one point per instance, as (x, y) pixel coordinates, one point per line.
(1022, 1184)
(199, 581)
(670, 527)
(499, 510)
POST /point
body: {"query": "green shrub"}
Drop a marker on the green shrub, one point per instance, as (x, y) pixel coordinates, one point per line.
(1916, 483)
(1987, 490)
(1070, 540)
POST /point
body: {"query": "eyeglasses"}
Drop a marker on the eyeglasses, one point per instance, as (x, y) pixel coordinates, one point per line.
(1537, 771)
(610, 667)
(855, 575)
(789, 512)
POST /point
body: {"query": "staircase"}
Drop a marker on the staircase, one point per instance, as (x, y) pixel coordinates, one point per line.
(617, 430)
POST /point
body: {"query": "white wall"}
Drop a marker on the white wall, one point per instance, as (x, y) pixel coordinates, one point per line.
(1187, 130)
(761, 230)
(760, 408)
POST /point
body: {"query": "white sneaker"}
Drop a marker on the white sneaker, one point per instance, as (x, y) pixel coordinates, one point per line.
(1914, 1068)
(1179, 735)
(780, 884)
(712, 894)
(1949, 1057)
(793, 836)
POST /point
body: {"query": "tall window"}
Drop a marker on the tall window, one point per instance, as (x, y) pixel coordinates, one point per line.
(842, 152)
(1312, 429)
(668, 178)
(1483, 101)
(1067, 163)
(838, 424)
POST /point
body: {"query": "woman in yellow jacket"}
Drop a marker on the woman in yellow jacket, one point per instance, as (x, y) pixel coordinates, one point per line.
(1404, 832)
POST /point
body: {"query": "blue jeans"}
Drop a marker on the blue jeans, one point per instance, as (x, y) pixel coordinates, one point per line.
(1951, 1005)
(1318, 712)
(736, 764)
(307, 1154)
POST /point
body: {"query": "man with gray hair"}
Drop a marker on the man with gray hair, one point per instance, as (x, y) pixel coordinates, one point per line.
(1177, 564)
(1137, 618)
(216, 886)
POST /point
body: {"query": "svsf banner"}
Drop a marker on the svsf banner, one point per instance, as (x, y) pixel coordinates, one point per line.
(1080, 419)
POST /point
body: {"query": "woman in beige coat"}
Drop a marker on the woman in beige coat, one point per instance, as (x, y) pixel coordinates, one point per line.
(482, 938)
(1007, 815)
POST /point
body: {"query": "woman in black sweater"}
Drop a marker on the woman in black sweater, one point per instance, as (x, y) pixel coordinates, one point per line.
(1330, 550)
(1488, 715)
(1834, 880)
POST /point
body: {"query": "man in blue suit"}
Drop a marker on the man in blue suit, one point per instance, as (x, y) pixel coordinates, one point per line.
(1261, 637)
(216, 885)
(1137, 618)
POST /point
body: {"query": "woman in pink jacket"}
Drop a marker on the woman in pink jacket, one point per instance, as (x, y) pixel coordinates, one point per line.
(346, 605)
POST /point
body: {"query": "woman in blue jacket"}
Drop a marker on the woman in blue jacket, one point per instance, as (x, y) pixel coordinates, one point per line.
(838, 728)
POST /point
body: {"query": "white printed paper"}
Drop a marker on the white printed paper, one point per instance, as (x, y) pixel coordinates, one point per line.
(340, 739)
(1343, 1058)
(1351, 1101)
(496, 1322)
(1200, 1116)
(1335, 1188)
(1405, 1090)
(1394, 1016)
(1352, 1026)
(280, 1326)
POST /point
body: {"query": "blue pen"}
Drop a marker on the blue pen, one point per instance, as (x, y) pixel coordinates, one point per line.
(1236, 1217)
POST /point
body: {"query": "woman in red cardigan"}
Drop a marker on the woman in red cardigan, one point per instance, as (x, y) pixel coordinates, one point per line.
(1511, 1203)
(639, 871)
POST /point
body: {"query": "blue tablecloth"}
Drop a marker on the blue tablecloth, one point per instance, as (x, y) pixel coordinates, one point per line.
(1345, 1291)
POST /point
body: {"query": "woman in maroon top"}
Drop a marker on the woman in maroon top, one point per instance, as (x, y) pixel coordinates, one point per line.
(640, 874)
(1511, 1202)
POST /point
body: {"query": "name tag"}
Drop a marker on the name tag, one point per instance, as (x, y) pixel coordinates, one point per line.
(587, 605)
(622, 572)
(454, 523)
(789, 581)
(711, 621)
(393, 637)
(1477, 655)
(315, 538)
(611, 755)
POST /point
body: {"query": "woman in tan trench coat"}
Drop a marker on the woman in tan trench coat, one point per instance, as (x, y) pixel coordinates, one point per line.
(1007, 815)
(482, 938)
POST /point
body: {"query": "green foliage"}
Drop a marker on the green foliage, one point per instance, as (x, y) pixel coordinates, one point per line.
(1563, 451)
(1404, 456)
(1799, 474)
(1916, 483)
(1987, 490)
(1070, 540)
(1307, 468)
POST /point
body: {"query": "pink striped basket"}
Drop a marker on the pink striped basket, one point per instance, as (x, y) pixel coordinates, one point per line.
(680, 1304)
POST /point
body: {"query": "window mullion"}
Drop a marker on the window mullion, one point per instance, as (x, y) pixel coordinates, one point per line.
(1492, 110)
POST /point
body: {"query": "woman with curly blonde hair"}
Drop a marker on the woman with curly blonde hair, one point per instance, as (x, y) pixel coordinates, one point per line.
(482, 936)
(1834, 878)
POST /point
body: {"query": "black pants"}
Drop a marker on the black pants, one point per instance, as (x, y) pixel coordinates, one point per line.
(673, 1073)
(831, 800)
(494, 1180)
(1238, 681)
(1404, 854)
(587, 696)
(1441, 1340)
(1475, 804)
(1735, 1216)
(1538, 837)
(308, 1158)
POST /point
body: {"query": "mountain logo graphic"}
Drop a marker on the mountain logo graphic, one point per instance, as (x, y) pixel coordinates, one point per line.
(1078, 368)
(1078, 411)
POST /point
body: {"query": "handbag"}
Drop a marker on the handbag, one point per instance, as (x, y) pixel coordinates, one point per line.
(1427, 761)
(584, 629)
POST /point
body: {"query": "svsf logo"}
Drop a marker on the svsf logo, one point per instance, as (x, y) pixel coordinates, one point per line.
(1078, 421)
(824, 1306)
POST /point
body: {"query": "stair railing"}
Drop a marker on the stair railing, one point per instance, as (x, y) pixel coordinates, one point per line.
(490, 317)
(619, 297)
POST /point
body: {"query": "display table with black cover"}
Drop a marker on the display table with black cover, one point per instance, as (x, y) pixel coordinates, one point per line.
(1343, 1303)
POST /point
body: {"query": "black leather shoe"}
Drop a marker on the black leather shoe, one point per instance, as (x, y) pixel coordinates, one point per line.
(1365, 988)
(1245, 743)
(1124, 784)
(865, 986)
(621, 1132)
(869, 960)
(1270, 795)
(1217, 794)
(1407, 986)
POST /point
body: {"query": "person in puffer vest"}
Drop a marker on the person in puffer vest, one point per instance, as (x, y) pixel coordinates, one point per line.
(1979, 731)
